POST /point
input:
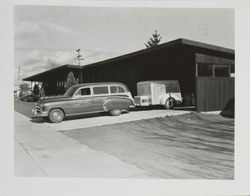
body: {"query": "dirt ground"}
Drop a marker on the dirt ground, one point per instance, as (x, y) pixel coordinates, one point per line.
(190, 146)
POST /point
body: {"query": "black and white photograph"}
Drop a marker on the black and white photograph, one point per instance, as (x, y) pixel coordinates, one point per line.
(124, 92)
(134, 98)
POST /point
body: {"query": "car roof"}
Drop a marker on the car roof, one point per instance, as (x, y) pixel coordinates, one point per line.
(101, 84)
(159, 82)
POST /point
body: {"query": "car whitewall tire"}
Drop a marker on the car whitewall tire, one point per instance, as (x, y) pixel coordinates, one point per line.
(56, 115)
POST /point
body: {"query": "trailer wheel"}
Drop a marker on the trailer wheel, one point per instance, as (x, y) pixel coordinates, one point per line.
(169, 104)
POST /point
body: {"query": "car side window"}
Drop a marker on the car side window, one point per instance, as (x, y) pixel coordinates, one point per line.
(83, 92)
(100, 90)
(116, 89)
(121, 90)
(113, 89)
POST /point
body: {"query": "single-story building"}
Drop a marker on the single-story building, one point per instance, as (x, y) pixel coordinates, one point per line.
(54, 79)
(204, 72)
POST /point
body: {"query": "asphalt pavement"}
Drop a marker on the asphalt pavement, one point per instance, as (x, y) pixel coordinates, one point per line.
(189, 146)
(151, 143)
(40, 151)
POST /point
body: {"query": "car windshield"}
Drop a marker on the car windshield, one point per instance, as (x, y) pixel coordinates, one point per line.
(70, 92)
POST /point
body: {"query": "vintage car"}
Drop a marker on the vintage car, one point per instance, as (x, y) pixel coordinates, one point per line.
(86, 98)
(163, 92)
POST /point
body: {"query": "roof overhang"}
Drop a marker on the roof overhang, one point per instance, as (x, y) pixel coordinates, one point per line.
(164, 46)
(38, 77)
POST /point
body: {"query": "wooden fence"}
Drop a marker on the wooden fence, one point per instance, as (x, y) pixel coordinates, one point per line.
(212, 93)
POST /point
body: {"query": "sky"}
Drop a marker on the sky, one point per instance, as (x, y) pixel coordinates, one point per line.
(47, 36)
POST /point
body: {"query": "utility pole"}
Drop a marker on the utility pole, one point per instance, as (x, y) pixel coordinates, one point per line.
(78, 57)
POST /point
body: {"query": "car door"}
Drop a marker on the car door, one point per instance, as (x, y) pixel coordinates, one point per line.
(100, 94)
(83, 101)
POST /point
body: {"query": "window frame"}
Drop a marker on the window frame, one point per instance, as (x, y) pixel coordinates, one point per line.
(91, 92)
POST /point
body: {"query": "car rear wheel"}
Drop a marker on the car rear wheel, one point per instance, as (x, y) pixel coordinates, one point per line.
(125, 110)
(115, 112)
(56, 115)
(169, 104)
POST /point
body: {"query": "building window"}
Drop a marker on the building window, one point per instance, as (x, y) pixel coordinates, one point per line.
(205, 70)
(213, 70)
(222, 70)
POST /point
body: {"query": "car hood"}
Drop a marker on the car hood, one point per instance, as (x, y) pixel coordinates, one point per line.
(53, 99)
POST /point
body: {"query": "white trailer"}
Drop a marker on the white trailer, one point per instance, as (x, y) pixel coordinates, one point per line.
(162, 92)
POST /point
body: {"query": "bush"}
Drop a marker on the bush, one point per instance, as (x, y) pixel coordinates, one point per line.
(71, 81)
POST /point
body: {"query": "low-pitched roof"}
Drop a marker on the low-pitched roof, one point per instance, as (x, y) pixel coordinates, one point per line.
(166, 45)
(30, 78)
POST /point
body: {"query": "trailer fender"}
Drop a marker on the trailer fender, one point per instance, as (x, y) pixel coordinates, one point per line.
(166, 96)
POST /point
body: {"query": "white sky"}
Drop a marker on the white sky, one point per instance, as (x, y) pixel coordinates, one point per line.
(52, 34)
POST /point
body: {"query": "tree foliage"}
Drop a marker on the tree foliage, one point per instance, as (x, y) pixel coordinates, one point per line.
(24, 86)
(71, 81)
(154, 40)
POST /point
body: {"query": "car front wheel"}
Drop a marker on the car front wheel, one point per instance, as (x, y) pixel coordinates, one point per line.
(115, 112)
(56, 115)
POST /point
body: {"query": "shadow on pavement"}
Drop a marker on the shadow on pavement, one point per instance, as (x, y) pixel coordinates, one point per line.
(37, 120)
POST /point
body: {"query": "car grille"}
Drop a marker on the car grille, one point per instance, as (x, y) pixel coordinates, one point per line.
(38, 109)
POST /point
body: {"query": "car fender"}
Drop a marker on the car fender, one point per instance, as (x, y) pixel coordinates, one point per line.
(113, 103)
(50, 106)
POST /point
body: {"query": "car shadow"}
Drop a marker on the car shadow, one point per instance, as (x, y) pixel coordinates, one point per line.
(38, 120)
(75, 117)
(160, 107)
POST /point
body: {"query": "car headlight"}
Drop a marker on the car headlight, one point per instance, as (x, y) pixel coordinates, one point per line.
(42, 106)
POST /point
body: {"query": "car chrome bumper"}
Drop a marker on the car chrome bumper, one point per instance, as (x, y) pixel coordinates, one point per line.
(38, 114)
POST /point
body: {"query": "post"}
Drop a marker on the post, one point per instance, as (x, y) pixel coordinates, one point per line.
(196, 70)
(229, 70)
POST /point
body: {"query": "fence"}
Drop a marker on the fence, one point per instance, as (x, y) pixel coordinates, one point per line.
(212, 93)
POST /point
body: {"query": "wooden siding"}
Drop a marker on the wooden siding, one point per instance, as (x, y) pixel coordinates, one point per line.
(212, 93)
(208, 59)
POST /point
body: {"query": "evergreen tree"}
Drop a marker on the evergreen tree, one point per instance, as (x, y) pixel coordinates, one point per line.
(71, 81)
(154, 40)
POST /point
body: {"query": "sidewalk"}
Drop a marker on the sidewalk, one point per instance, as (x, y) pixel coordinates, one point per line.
(42, 151)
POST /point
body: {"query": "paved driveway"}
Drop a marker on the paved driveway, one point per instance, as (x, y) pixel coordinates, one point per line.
(189, 146)
(102, 119)
(93, 120)
(41, 151)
